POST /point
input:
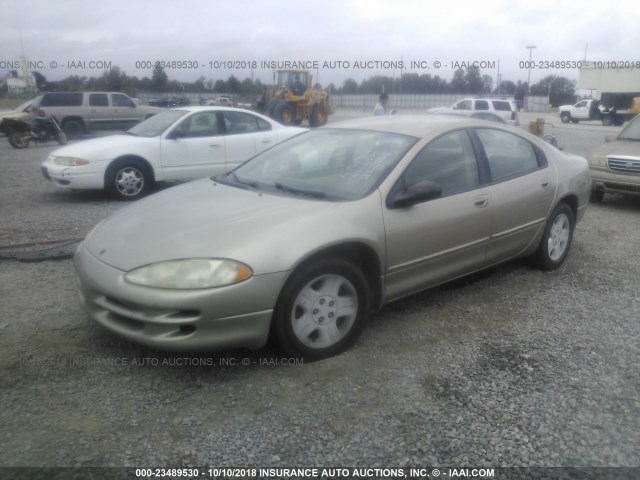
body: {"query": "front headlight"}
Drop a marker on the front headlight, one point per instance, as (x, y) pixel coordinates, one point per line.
(598, 160)
(190, 273)
(70, 161)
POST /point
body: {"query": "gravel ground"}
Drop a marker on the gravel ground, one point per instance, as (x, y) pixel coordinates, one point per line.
(511, 367)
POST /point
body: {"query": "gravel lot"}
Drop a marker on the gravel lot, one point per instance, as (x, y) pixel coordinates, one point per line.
(511, 367)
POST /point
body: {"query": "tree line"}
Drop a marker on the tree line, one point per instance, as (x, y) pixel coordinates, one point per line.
(560, 90)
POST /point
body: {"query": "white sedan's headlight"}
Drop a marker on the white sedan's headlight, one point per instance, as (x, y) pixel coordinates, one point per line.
(190, 273)
(70, 161)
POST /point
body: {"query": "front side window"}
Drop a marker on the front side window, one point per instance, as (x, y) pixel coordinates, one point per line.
(120, 100)
(508, 155)
(449, 161)
(463, 105)
(482, 105)
(202, 124)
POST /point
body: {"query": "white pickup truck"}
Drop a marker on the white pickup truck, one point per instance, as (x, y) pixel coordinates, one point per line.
(593, 110)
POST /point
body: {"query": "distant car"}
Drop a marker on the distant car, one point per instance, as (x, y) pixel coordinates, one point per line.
(178, 144)
(506, 109)
(221, 101)
(492, 117)
(80, 112)
(303, 241)
(615, 166)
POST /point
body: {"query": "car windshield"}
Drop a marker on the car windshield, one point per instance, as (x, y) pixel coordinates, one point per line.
(632, 131)
(156, 125)
(333, 164)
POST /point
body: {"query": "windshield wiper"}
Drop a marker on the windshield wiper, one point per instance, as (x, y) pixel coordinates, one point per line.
(295, 191)
(241, 182)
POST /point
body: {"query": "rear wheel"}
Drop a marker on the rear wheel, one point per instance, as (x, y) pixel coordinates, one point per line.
(554, 246)
(129, 180)
(607, 120)
(322, 309)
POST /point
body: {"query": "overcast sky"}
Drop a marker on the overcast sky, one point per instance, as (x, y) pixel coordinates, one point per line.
(368, 32)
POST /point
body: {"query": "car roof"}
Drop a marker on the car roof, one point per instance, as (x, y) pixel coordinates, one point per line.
(411, 124)
(209, 108)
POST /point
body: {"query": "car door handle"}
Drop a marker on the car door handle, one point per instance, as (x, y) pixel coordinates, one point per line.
(481, 201)
(266, 141)
(545, 183)
(215, 145)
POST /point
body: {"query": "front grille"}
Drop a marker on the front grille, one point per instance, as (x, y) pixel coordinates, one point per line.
(624, 164)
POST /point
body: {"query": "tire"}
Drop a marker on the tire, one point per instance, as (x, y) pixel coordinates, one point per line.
(565, 117)
(607, 121)
(574, 120)
(19, 139)
(60, 137)
(271, 106)
(596, 196)
(618, 121)
(128, 180)
(284, 113)
(556, 241)
(73, 128)
(322, 309)
(318, 116)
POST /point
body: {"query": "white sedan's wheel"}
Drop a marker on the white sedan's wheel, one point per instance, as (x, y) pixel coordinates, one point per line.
(129, 180)
(322, 309)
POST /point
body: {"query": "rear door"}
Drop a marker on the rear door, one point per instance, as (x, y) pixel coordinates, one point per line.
(523, 188)
(440, 239)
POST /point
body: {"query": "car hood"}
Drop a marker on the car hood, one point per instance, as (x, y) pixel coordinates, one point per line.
(438, 109)
(618, 147)
(268, 232)
(102, 147)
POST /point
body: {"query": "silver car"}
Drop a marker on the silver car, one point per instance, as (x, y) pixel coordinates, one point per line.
(305, 240)
(615, 166)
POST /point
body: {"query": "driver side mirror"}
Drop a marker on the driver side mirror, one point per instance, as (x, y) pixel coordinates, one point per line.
(419, 192)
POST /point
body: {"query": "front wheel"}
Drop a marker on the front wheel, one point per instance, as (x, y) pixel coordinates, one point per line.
(19, 139)
(554, 246)
(128, 181)
(322, 309)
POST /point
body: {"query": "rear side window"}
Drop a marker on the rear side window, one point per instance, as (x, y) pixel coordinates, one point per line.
(502, 106)
(509, 155)
(62, 99)
(98, 100)
(240, 122)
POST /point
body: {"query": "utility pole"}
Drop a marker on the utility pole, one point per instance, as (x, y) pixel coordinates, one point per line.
(530, 47)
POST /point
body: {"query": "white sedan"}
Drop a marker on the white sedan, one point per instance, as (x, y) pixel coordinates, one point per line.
(179, 144)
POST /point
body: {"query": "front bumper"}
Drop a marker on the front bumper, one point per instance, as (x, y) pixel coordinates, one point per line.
(178, 320)
(608, 181)
(86, 177)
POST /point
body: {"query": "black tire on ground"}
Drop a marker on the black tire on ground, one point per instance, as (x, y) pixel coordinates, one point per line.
(271, 106)
(565, 117)
(285, 113)
(318, 116)
(322, 309)
(574, 120)
(73, 128)
(128, 179)
(607, 120)
(556, 241)
(617, 121)
(18, 139)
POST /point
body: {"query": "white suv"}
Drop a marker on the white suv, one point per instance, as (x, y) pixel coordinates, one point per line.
(506, 109)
